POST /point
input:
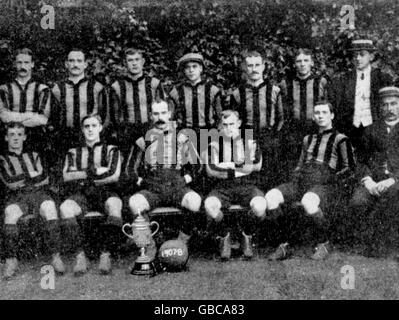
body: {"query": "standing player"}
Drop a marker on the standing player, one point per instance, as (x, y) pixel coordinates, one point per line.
(325, 160)
(132, 96)
(76, 97)
(231, 163)
(300, 93)
(196, 102)
(26, 182)
(90, 173)
(27, 101)
(166, 161)
(260, 107)
(354, 95)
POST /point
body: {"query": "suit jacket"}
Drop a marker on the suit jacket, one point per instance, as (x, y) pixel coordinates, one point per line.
(378, 155)
(342, 96)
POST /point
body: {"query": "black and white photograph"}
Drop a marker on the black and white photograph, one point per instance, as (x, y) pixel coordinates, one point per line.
(199, 154)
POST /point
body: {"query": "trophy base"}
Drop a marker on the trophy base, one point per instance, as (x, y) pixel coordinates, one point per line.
(143, 269)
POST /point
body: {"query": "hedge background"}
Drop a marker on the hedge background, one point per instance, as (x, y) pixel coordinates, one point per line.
(221, 31)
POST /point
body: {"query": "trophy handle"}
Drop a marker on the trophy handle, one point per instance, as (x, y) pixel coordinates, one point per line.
(156, 230)
(123, 230)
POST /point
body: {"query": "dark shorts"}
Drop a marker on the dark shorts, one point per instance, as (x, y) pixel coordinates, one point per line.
(313, 178)
(294, 192)
(164, 188)
(93, 198)
(233, 192)
(28, 201)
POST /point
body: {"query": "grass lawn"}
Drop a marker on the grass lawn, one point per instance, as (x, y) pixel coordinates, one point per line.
(207, 278)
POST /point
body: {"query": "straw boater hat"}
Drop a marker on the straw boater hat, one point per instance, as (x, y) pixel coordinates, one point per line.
(389, 92)
(362, 44)
(190, 57)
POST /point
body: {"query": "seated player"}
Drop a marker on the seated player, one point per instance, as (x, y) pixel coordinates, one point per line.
(164, 162)
(231, 163)
(26, 181)
(90, 175)
(326, 158)
(378, 154)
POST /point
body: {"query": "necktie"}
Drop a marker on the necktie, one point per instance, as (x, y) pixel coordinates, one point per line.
(362, 76)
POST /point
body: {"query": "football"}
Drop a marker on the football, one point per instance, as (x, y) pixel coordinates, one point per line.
(173, 254)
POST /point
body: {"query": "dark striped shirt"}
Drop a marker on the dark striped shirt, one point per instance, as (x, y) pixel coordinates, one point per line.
(83, 163)
(229, 159)
(329, 148)
(75, 101)
(259, 107)
(22, 171)
(131, 99)
(159, 150)
(300, 95)
(197, 106)
(16, 99)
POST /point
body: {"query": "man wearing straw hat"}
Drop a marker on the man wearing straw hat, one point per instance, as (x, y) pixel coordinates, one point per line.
(355, 94)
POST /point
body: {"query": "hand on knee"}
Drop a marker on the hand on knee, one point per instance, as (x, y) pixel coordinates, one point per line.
(213, 208)
(12, 214)
(113, 207)
(191, 201)
(274, 198)
(48, 210)
(258, 206)
(70, 209)
(138, 204)
(311, 203)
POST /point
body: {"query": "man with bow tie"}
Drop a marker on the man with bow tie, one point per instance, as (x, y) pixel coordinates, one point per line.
(164, 163)
(378, 157)
(355, 94)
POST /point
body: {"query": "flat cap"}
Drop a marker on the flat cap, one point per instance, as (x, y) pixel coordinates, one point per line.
(362, 44)
(189, 57)
(389, 92)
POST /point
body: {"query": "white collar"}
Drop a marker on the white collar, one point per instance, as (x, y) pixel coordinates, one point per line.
(367, 70)
(391, 124)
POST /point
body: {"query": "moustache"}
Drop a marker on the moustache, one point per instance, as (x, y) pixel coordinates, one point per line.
(160, 122)
(22, 70)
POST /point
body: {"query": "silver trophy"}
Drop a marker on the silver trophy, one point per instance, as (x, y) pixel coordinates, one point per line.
(142, 234)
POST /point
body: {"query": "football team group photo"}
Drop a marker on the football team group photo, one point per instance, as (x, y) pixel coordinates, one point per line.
(169, 169)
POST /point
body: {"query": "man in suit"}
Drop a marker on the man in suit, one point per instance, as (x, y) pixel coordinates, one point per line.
(355, 93)
(378, 158)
